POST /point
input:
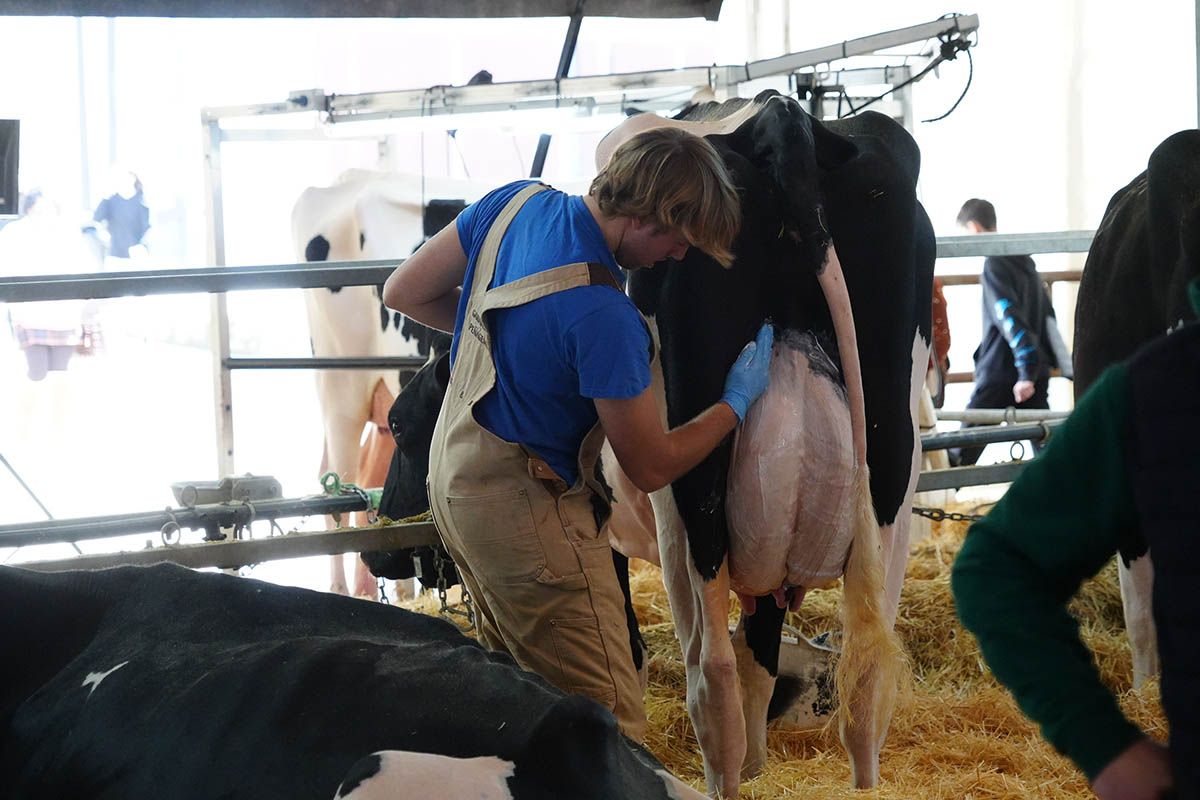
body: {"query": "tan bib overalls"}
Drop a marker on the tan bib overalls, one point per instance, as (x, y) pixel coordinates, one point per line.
(528, 547)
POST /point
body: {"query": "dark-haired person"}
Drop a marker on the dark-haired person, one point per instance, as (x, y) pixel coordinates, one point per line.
(549, 357)
(1015, 355)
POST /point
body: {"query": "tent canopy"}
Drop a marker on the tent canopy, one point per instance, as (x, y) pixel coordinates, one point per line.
(660, 9)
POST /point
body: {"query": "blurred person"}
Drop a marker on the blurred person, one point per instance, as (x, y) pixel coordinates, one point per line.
(1015, 356)
(125, 216)
(43, 242)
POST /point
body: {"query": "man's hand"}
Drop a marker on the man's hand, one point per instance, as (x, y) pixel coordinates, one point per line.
(748, 376)
(1022, 391)
(1141, 772)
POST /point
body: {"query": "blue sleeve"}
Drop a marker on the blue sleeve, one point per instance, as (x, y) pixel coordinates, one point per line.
(610, 349)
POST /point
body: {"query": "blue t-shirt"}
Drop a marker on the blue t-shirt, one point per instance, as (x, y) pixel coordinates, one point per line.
(556, 354)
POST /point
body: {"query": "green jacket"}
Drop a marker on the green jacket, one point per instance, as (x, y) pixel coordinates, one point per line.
(1059, 523)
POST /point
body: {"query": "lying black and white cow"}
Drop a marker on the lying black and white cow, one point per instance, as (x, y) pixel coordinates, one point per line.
(787, 506)
(160, 682)
(1134, 288)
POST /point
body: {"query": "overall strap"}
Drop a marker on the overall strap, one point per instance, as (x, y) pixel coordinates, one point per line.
(547, 282)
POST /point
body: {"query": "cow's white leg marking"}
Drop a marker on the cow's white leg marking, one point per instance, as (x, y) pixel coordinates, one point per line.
(1137, 583)
(757, 685)
(94, 678)
(700, 610)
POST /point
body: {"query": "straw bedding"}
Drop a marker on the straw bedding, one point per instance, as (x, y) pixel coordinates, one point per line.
(959, 735)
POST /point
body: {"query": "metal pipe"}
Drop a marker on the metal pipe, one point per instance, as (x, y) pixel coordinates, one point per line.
(988, 435)
(364, 362)
(95, 285)
(243, 552)
(1014, 244)
(958, 477)
(319, 274)
(208, 516)
(994, 416)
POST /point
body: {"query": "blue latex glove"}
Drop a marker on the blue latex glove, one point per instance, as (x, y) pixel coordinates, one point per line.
(747, 377)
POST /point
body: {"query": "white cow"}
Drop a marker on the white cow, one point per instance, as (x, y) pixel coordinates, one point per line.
(365, 215)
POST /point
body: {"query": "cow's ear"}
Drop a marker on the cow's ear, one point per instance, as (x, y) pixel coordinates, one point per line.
(573, 751)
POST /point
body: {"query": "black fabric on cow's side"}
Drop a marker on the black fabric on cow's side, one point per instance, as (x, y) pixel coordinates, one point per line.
(1145, 252)
(802, 183)
(232, 688)
(412, 418)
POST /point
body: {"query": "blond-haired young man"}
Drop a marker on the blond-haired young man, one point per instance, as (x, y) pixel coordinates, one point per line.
(549, 357)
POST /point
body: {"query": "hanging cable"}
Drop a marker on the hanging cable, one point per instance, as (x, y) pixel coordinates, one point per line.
(970, 75)
(948, 51)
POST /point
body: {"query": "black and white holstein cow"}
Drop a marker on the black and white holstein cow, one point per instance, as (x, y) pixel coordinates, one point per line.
(365, 215)
(1134, 289)
(161, 682)
(785, 506)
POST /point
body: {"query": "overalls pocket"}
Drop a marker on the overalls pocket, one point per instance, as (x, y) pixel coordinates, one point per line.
(498, 535)
(580, 650)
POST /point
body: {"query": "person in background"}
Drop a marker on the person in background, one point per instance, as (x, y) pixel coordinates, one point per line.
(43, 242)
(1015, 356)
(125, 216)
(1116, 478)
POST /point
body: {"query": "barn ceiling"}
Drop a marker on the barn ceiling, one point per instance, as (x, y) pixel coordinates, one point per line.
(659, 9)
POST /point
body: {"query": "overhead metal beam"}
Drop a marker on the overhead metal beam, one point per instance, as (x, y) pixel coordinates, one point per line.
(260, 9)
(959, 24)
(436, 100)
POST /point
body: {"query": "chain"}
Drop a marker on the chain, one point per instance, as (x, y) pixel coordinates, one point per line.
(446, 610)
(940, 514)
(383, 598)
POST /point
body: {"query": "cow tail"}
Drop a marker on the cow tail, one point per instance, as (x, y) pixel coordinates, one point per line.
(873, 668)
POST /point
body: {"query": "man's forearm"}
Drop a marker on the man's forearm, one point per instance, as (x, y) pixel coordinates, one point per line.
(690, 443)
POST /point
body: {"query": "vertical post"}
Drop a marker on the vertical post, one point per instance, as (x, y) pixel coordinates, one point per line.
(904, 95)
(1198, 63)
(564, 66)
(112, 91)
(85, 182)
(219, 326)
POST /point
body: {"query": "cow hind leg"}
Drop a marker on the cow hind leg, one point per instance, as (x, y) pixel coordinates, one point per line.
(700, 611)
(1137, 582)
(756, 647)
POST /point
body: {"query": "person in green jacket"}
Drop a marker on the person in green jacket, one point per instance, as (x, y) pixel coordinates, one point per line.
(1119, 476)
